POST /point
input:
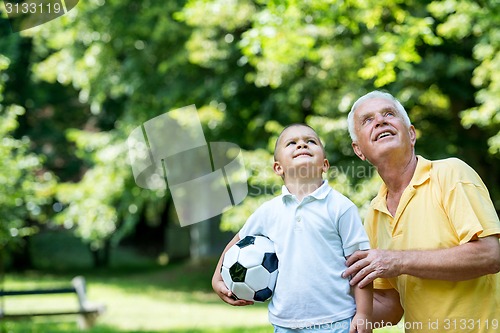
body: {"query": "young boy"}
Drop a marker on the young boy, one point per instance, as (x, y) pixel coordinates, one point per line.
(314, 228)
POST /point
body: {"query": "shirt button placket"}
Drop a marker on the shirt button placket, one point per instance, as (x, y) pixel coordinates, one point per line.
(298, 219)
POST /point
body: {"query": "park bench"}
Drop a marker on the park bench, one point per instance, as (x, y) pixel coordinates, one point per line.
(87, 311)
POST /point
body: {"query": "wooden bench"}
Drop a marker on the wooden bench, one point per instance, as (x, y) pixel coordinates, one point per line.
(87, 311)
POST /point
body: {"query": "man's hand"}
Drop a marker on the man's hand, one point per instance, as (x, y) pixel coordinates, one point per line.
(366, 266)
(459, 263)
(227, 296)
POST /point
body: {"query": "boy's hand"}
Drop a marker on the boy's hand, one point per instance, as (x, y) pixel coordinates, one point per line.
(360, 324)
(218, 284)
(227, 296)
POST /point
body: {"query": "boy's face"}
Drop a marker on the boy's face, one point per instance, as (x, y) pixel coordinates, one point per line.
(300, 154)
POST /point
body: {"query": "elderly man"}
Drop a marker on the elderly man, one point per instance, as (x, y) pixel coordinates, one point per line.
(433, 229)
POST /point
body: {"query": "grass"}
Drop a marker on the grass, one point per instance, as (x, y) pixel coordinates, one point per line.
(170, 299)
(57, 327)
(139, 295)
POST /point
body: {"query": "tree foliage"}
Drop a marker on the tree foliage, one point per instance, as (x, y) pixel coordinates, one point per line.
(250, 67)
(25, 187)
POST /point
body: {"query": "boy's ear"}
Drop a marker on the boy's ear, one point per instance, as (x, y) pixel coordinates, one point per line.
(358, 151)
(278, 169)
(326, 165)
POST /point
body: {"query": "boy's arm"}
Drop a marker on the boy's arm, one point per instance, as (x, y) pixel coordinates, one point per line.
(387, 307)
(361, 322)
(218, 284)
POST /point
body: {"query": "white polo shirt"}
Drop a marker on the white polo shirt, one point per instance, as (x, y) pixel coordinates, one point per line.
(312, 239)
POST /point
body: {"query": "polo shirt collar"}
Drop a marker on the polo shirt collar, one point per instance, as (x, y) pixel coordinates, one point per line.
(422, 173)
(320, 193)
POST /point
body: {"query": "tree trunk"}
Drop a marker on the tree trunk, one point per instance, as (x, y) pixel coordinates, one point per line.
(101, 256)
(21, 255)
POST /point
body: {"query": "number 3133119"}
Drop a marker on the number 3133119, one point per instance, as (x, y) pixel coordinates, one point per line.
(470, 324)
(33, 8)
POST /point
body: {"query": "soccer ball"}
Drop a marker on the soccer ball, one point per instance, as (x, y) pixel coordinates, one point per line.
(250, 268)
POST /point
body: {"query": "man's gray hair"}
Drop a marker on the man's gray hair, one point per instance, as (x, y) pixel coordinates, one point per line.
(371, 95)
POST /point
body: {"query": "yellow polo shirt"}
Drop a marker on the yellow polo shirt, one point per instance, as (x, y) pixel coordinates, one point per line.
(446, 204)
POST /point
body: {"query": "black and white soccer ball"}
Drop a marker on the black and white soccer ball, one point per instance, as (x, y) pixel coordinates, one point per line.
(250, 268)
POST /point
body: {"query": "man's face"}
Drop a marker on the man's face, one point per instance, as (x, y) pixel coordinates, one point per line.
(381, 130)
(300, 153)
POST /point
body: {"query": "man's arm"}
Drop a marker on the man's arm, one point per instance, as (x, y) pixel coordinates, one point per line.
(463, 262)
(218, 284)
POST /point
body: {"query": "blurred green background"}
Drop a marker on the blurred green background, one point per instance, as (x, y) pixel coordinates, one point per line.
(72, 90)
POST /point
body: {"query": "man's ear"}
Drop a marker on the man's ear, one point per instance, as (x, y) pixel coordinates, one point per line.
(358, 151)
(278, 169)
(413, 135)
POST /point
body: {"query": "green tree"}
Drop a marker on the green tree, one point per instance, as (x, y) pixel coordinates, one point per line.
(252, 67)
(440, 58)
(25, 186)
